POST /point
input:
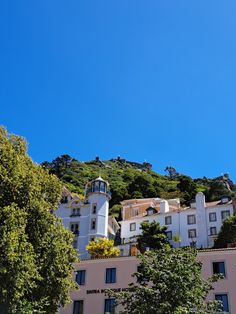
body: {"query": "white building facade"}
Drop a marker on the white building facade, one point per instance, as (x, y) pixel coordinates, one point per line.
(87, 219)
(197, 225)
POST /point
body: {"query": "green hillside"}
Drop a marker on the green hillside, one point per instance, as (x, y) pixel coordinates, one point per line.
(134, 180)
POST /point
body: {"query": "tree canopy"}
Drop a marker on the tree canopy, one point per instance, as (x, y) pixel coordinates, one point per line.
(227, 234)
(168, 281)
(134, 180)
(102, 247)
(153, 236)
(36, 255)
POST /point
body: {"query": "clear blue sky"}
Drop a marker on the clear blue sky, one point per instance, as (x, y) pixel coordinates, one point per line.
(147, 80)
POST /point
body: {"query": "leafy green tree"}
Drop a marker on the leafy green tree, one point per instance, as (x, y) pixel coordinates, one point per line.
(36, 255)
(187, 186)
(115, 211)
(102, 247)
(227, 234)
(129, 180)
(216, 190)
(137, 194)
(143, 183)
(168, 281)
(172, 172)
(153, 236)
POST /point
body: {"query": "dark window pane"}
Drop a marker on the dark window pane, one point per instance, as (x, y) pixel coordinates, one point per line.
(110, 275)
(224, 299)
(219, 268)
(80, 277)
(78, 307)
(109, 306)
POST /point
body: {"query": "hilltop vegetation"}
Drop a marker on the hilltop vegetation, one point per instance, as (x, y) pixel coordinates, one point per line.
(134, 180)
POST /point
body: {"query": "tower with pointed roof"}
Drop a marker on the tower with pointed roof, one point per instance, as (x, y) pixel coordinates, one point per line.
(87, 219)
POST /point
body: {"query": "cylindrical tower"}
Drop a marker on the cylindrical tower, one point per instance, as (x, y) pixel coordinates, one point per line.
(97, 195)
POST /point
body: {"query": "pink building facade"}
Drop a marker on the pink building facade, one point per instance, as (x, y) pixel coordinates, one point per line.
(98, 275)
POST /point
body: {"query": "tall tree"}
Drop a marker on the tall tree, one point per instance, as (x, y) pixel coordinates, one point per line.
(153, 236)
(168, 281)
(36, 255)
(187, 186)
(227, 234)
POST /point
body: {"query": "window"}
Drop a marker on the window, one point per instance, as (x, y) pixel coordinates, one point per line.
(80, 277)
(225, 214)
(132, 226)
(192, 233)
(78, 307)
(75, 228)
(168, 220)
(191, 219)
(169, 235)
(96, 186)
(93, 223)
(102, 187)
(92, 238)
(212, 217)
(64, 200)
(150, 211)
(218, 268)
(136, 212)
(193, 244)
(75, 212)
(94, 208)
(213, 231)
(224, 300)
(75, 243)
(110, 275)
(109, 306)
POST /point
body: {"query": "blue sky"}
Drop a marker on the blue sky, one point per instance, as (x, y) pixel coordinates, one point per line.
(146, 80)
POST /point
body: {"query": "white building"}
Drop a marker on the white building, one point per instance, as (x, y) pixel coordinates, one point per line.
(197, 225)
(88, 219)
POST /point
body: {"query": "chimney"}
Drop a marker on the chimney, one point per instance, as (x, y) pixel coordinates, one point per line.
(200, 200)
(164, 207)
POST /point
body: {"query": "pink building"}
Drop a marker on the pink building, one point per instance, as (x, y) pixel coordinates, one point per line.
(95, 276)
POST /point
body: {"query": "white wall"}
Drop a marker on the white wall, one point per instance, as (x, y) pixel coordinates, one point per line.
(180, 224)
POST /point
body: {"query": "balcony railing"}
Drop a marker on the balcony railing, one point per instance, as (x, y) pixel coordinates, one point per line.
(75, 215)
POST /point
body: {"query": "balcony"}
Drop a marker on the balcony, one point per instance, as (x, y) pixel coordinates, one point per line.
(75, 215)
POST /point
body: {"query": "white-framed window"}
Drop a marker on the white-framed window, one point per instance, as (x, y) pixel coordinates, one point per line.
(111, 275)
(75, 243)
(74, 227)
(168, 220)
(78, 307)
(94, 208)
(218, 268)
(80, 277)
(213, 231)
(192, 233)
(132, 226)
(223, 297)
(225, 214)
(169, 235)
(75, 212)
(93, 223)
(212, 217)
(109, 306)
(191, 219)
